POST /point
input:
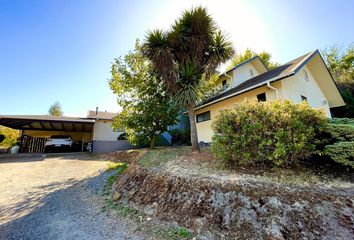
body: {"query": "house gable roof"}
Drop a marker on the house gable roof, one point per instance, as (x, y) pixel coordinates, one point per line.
(284, 71)
(101, 115)
(253, 59)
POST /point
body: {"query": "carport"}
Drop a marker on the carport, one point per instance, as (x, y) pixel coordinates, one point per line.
(35, 129)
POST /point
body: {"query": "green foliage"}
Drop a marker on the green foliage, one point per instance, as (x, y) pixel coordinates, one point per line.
(180, 136)
(2, 137)
(336, 141)
(341, 64)
(147, 108)
(10, 136)
(120, 167)
(55, 110)
(248, 54)
(183, 232)
(341, 152)
(186, 57)
(276, 132)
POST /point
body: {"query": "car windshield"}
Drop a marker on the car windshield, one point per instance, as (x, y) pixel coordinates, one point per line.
(60, 137)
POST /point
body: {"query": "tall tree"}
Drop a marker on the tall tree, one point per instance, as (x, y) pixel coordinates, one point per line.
(147, 108)
(187, 55)
(55, 109)
(341, 64)
(248, 54)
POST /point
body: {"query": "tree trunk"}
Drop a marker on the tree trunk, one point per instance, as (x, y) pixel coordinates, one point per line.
(153, 141)
(193, 126)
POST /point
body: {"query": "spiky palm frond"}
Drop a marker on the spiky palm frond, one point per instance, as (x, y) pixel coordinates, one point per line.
(192, 49)
(221, 50)
(188, 95)
(157, 49)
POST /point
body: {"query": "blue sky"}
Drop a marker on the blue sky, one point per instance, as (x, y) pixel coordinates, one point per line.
(61, 50)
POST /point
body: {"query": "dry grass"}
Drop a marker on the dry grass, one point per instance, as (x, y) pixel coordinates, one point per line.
(182, 161)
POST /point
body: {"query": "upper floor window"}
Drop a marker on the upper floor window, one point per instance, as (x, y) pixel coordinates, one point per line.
(303, 98)
(205, 116)
(261, 97)
(224, 85)
(306, 75)
(251, 73)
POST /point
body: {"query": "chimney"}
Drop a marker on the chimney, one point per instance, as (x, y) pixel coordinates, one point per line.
(96, 110)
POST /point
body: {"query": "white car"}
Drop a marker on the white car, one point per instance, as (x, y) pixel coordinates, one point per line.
(58, 142)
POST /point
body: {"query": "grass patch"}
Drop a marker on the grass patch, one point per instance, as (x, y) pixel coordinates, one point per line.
(119, 166)
(160, 156)
(173, 233)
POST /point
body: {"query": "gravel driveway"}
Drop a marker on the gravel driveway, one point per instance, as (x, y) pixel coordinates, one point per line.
(56, 198)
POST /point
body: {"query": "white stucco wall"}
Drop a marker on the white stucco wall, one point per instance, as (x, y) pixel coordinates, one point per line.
(204, 129)
(295, 86)
(242, 74)
(103, 131)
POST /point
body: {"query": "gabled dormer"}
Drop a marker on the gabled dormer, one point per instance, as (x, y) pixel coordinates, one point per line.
(241, 73)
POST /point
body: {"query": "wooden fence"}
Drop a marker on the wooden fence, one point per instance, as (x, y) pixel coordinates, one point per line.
(32, 144)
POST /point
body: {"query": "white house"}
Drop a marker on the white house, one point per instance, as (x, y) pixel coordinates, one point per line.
(304, 78)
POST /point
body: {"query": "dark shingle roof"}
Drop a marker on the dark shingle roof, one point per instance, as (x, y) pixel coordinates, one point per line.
(276, 74)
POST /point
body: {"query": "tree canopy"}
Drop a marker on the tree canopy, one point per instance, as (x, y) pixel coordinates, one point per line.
(185, 55)
(341, 64)
(147, 108)
(248, 54)
(55, 109)
(9, 136)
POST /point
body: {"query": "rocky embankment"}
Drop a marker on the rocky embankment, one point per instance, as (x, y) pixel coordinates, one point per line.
(217, 208)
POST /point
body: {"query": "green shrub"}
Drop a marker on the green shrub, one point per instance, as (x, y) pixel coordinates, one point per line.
(276, 132)
(339, 131)
(341, 152)
(336, 142)
(180, 136)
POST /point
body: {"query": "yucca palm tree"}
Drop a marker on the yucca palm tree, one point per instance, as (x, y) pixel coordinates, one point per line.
(186, 56)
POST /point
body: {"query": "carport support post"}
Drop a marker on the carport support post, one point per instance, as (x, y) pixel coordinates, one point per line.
(82, 144)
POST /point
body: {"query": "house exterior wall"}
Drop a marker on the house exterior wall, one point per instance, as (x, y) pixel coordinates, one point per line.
(105, 139)
(204, 129)
(111, 146)
(296, 86)
(103, 131)
(242, 74)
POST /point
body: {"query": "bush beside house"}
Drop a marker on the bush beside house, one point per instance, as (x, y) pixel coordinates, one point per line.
(336, 141)
(281, 133)
(275, 132)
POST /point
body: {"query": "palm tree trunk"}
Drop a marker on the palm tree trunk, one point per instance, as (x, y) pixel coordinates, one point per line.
(193, 125)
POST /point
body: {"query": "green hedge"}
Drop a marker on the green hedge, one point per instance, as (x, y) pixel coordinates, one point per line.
(342, 153)
(275, 132)
(336, 141)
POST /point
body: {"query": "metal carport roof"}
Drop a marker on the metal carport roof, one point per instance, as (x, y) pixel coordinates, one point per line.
(47, 123)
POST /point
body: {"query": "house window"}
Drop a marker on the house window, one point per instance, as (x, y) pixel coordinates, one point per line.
(261, 97)
(224, 85)
(205, 116)
(303, 98)
(251, 72)
(306, 75)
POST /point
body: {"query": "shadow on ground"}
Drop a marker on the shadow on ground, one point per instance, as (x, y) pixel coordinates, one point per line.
(74, 211)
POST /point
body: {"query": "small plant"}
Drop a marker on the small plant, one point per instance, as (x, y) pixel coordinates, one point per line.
(183, 232)
(173, 233)
(119, 166)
